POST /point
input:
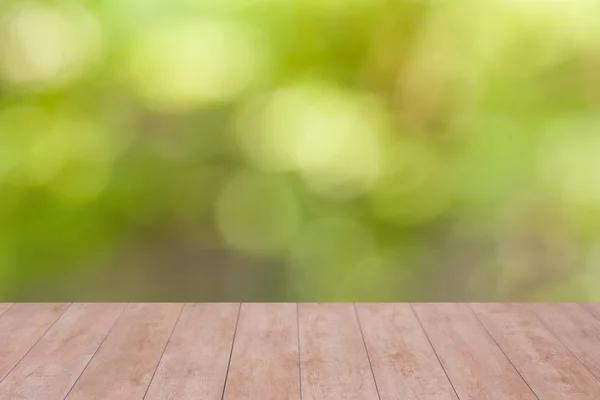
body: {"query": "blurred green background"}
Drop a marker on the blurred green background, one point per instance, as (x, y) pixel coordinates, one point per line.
(311, 150)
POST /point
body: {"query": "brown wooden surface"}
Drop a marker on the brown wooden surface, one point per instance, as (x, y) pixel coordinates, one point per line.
(4, 307)
(476, 366)
(21, 327)
(124, 364)
(550, 369)
(333, 358)
(51, 367)
(264, 361)
(308, 351)
(576, 328)
(194, 365)
(404, 364)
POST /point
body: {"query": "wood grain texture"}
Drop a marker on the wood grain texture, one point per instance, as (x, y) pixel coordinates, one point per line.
(475, 364)
(195, 362)
(51, 367)
(124, 364)
(21, 327)
(551, 370)
(334, 362)
(4, 307)
(404, 363)
(308, 351)
(592, 308)
(576, 328)
(264, 360)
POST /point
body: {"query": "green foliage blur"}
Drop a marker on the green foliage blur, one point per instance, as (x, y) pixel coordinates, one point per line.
(300, 150)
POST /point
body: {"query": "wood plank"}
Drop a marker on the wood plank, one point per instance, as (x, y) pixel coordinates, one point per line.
(51, 367)
(4, 307)
(21, 327)
(551, 370)
(404, 363)
(475, 364)
(333, 359)
(593, 308)
(264, 360)
(195, 362)
(576, 328)
(124, 364)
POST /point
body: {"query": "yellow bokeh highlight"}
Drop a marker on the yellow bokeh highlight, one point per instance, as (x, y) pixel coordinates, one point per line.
(46, 46)
(569, 160)
(186, 64)
(330, 137)
(268, 129)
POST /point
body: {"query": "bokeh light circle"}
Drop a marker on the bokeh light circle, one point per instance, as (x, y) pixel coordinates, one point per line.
(332, 138)
(190, 63)
(47, 46)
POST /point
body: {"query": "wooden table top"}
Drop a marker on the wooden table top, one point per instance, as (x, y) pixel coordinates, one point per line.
(308, 351)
